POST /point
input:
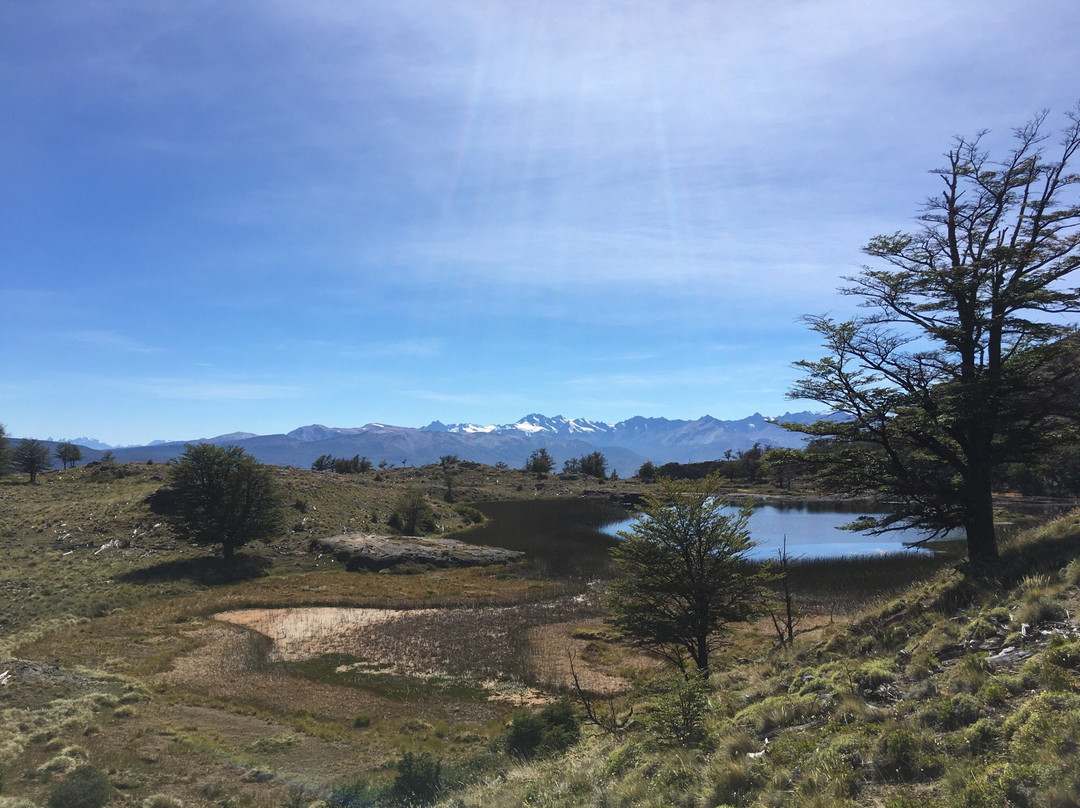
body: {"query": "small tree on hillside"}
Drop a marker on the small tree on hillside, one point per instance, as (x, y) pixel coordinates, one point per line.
(539, 462)
(647, 472)
(68, 454)
(224, 496)
(683, 573)
(31, 457)
(411, 510)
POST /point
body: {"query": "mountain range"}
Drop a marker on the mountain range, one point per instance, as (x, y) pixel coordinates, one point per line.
(626, 444)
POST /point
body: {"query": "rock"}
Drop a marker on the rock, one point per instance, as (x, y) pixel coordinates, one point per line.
(366, 551)
(163, 501)
(1007, 655)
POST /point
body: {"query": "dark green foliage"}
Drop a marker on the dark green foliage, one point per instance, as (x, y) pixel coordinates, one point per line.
(68, 454)
(647, 472)
(469, 513)
(677, 715)
(411, 513)
(418, 781)
(340, 465)
(85, 786)
(744, 466)
(554, 729)
(223, 495)
(31, 457)
(539, 462)
(683, 573)
(963, 364)
(591, 465)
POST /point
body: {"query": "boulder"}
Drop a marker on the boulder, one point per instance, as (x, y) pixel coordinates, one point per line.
(368, 551)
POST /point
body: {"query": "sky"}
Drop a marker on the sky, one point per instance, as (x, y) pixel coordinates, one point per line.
(256, 215)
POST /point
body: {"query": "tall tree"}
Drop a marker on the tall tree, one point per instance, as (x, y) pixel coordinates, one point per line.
(31, 457)
(5, 452)
(224, 496)
(683, 573)
(964, 362)
(68, 454)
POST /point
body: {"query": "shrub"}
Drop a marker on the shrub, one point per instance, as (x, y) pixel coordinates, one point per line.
(86, 786)
(1039, 610)
(419, 780)
(982, 736)
(678, 713)
(959, 711)
(554, 729)
(469, 514)
(1044, 727)
(903, 756)
(162, 801)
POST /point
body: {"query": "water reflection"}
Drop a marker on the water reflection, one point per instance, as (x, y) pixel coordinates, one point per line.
(812, 530)
(572, 537)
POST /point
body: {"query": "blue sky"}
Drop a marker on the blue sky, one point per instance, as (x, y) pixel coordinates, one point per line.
(258, 215)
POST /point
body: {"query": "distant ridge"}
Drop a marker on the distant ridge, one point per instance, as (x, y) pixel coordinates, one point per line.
(626, 444)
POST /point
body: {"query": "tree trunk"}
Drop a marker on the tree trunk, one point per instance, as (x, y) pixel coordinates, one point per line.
(701, 653)
(979, 520)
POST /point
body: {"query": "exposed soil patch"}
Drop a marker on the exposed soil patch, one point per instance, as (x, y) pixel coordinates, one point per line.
(302, 633)
(526, 642)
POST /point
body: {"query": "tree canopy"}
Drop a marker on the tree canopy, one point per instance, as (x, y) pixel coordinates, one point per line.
(539, 462)
(68, 454)
(31, 457)
(964, 361)
(593, 464)
(224, 496)
(683, 572)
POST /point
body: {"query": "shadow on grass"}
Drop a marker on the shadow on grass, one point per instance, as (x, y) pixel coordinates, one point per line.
(207, 570)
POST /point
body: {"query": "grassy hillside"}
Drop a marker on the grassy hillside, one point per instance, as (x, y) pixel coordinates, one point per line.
(117, 658)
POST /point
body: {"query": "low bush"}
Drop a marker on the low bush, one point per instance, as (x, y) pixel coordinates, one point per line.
(469, 514)
(418, 781)
(904, 756)
(554, 729)
(677, 716)
(85, 786)
(162, 801)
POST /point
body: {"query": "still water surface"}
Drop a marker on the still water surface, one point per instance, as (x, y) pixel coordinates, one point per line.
(812, 530)
(574, 537)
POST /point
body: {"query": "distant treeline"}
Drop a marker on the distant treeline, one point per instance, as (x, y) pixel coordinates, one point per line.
(341, 465)
(1055, 473)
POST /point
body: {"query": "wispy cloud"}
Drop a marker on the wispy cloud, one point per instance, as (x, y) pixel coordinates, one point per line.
(108, 341)
(406, 348)
(188, 389)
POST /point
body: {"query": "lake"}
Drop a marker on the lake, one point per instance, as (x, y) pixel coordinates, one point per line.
(812, 531)
(573, 537)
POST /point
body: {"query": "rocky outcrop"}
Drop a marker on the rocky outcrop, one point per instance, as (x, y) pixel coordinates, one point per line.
(366, 551)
